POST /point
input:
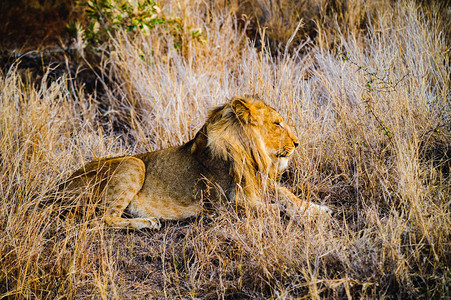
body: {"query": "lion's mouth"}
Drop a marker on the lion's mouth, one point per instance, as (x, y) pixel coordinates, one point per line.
(284, 152)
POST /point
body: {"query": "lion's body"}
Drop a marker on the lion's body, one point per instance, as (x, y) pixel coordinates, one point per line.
(242, 144)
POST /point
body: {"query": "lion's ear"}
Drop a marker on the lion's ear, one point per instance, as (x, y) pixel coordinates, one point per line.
(244, 110)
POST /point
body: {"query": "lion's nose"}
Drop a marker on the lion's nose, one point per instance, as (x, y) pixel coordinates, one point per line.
(296, 144)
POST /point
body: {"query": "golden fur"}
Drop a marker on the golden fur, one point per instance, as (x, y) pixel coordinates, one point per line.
(241, 149)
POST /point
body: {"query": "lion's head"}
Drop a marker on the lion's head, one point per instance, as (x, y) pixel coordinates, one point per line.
(252, 137)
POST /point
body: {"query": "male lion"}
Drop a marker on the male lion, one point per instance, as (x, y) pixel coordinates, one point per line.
(241, 149)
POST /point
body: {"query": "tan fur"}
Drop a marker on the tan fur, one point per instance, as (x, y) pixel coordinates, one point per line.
(241, 149)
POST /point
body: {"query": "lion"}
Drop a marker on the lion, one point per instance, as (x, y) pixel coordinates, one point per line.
(241, 149)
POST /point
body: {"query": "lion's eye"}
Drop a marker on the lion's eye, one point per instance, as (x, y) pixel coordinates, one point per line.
(278, 124)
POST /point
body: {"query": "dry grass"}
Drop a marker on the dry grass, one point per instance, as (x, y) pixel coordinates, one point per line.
(377, 154)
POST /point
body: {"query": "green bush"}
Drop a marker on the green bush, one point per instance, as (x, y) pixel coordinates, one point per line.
(105, 17)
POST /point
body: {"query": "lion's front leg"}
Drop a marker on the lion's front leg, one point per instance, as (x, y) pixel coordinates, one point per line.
(297, 207)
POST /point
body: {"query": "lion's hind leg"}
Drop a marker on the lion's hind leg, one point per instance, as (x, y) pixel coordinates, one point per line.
(122, 187)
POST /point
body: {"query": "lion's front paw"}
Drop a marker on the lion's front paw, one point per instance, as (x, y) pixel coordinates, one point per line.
(317, 210)
(325, 209)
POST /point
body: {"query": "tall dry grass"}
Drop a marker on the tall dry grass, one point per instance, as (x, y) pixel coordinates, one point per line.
(372, 113)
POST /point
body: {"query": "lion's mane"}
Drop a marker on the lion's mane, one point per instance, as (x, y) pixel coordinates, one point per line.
(231, 139)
